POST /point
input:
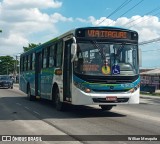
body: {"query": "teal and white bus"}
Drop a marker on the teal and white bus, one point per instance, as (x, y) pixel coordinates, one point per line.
(85, 66)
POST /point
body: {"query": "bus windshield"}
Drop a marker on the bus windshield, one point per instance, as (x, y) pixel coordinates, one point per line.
(101, 59)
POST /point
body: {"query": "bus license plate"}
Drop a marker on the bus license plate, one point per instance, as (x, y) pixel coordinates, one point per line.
(112, 98)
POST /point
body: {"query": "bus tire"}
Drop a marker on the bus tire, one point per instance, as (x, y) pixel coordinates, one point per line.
(106, 107)
(58, 104)
(30, 97)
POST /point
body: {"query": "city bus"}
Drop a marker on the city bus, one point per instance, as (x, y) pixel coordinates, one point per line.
(84, 66)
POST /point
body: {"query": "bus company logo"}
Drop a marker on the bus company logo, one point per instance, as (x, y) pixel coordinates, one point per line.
(6, 138)
(111, 87)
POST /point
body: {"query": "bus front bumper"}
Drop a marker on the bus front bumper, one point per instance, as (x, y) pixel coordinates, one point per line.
(79, 97)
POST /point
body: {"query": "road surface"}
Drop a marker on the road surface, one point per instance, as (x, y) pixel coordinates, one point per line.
(19, 116)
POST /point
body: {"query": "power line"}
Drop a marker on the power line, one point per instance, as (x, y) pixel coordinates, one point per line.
(120, 7)
(143, 20)
(131, 8)
(150, 12)
(149, 41)
(117, 9)
(151, 50)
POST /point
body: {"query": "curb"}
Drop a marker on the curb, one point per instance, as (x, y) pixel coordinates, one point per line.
(148, 96)
(16, 85)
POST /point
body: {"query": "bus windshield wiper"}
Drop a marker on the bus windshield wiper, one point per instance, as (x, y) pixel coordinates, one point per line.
(100, 50)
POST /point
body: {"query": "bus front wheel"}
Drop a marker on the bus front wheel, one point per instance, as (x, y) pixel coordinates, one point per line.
(106, 107)
(58, 104)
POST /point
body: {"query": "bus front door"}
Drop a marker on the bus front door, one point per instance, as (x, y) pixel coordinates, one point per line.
(38, 67)
(67, 71)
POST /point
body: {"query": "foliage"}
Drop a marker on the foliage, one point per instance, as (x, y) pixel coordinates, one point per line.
(30, 46)
(7, 65)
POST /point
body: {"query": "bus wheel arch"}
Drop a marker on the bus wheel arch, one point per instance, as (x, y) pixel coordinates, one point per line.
(29, 95)
(54, 87)
(56, 98)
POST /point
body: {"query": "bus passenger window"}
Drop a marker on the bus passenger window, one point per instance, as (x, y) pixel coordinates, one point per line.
(59, 54)
(45, 58)
(33, 61)
(25, 63)
(51, 56)
(29, 62)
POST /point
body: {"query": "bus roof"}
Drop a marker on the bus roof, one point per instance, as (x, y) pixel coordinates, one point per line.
(72, 32)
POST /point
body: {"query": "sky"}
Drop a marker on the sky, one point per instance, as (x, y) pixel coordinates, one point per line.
(37, 21)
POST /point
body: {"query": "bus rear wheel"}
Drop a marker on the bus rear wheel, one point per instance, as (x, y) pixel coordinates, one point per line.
(58, 104)
(106, 107)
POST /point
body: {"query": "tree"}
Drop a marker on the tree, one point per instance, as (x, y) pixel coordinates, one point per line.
(7, 65)
(30, 46)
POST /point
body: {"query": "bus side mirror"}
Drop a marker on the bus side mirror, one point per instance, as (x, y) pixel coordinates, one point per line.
(140, 57)
(73, 51)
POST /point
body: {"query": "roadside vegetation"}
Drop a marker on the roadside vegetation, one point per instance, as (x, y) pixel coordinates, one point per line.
(150, 94)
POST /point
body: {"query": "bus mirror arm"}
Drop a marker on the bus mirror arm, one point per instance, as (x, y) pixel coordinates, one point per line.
(74, 50)
(140, 57)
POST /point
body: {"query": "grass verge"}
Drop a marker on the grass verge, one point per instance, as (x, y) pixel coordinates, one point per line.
(150, 94)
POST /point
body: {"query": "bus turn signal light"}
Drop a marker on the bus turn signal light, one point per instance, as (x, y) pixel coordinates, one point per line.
(87, 90)
(132, 90)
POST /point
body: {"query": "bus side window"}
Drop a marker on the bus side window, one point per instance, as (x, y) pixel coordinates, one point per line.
(33, 61)
(29, 62)
(22, 64)
(40, 62)
(59, 54)
(51, 56)
(44, 58)
(25, 63)
(30, 66)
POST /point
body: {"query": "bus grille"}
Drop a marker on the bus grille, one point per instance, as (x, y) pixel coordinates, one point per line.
(103, 100)
(95, 90)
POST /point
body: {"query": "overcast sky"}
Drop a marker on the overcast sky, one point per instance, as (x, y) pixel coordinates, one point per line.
(37, 21)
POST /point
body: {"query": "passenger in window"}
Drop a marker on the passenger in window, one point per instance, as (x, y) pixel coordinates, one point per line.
(97, 58)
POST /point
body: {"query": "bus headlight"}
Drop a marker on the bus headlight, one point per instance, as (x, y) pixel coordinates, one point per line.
(82, 87)
(134, 89)
(87, 90)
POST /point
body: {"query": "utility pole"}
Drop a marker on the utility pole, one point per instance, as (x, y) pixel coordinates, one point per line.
(7, 68)
(16, 66)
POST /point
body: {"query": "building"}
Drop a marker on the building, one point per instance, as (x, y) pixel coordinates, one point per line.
(151, 77)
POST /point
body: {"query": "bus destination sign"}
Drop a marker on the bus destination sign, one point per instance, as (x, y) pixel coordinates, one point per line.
(110, 34)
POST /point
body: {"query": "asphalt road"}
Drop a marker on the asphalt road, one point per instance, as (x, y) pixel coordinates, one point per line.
(19, 116)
